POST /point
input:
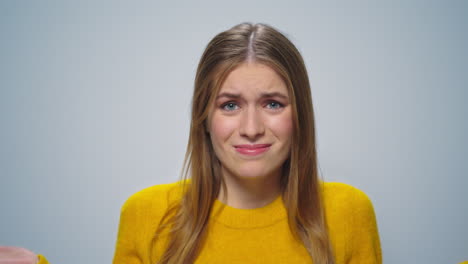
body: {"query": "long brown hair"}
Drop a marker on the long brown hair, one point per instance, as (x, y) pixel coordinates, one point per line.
(301, 187)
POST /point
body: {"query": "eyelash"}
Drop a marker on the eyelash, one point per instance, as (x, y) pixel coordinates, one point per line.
(278, 105)
(223, 106)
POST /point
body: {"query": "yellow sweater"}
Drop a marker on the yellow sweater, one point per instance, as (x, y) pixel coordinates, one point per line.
(42, 260)
(258, 235)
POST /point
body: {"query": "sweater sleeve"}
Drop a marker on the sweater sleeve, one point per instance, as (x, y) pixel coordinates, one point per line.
(128, 234)
(42, 260)
(364, 235)
(139, 218)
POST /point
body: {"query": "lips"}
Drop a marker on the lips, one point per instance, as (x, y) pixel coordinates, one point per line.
(252, 149)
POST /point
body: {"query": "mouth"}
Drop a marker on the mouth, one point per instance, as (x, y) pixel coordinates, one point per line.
(253, 149)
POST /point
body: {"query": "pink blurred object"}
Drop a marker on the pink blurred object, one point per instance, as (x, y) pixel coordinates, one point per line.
(17, 255)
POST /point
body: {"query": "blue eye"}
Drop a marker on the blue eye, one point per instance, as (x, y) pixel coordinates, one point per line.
(230, 106)
(274, 105)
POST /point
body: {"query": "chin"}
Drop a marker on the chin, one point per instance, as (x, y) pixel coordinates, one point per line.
(253, 172)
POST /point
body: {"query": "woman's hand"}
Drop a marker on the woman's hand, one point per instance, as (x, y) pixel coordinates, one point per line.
(17, 255)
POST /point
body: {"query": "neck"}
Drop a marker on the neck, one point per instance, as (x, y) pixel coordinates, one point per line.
(249, 193)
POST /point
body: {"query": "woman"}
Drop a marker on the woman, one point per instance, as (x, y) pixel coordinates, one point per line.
(251, 191)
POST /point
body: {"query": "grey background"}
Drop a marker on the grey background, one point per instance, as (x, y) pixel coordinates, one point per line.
(94, 106)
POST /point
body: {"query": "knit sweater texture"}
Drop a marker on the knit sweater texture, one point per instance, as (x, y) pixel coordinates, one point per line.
(260, 235)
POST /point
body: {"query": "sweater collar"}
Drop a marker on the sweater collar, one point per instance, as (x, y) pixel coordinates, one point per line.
(249, 218)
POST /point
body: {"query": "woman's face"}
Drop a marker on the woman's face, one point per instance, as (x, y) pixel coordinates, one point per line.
(250, 123)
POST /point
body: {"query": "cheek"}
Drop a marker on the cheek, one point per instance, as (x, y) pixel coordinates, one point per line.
(221, 128)
(282, 125)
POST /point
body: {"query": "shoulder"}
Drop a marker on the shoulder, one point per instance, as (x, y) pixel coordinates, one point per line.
(346, 200)
(139, 217)
(154, 199)
(352, 223)
(342, 192)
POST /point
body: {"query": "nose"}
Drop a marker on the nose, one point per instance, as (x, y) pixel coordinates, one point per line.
(251, 124)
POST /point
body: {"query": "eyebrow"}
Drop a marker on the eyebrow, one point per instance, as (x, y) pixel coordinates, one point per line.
(229, 95)
(263, 95)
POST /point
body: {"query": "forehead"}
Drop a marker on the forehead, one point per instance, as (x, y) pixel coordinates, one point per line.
(253, 77)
